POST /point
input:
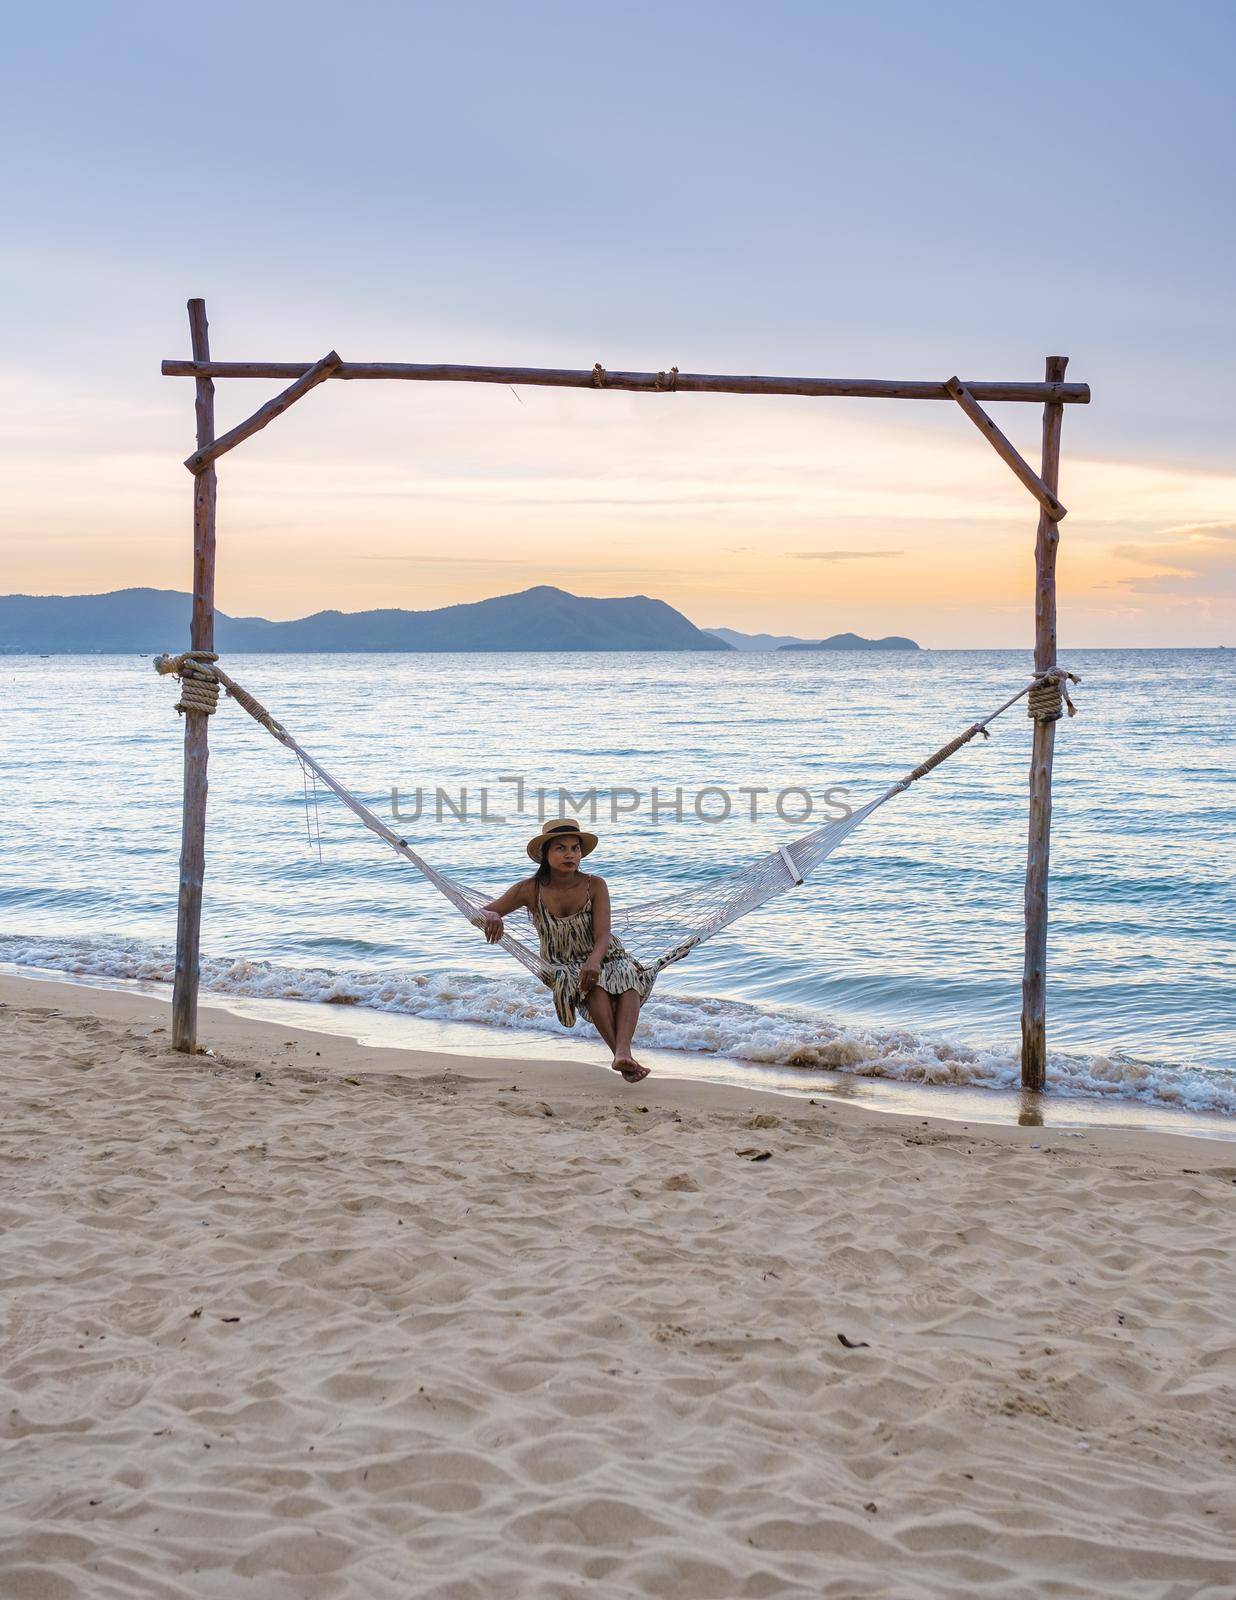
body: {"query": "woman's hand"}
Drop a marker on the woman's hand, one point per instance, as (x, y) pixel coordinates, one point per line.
(589, 975)
(493, 926)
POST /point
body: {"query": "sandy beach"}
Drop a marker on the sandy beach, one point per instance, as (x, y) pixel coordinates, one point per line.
(304, 1318)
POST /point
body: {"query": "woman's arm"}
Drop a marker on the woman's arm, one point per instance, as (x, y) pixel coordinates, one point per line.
(590, 972)
(490, 917)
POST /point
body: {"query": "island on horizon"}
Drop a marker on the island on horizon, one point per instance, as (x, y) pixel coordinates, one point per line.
(540, 619)
(853, 641)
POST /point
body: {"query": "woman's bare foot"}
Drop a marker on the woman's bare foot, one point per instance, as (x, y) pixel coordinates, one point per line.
(630, 1068)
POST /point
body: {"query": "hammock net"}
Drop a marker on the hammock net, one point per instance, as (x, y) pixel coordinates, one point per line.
(656, 932)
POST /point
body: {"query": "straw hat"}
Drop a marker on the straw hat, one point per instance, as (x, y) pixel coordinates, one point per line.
(562, 827)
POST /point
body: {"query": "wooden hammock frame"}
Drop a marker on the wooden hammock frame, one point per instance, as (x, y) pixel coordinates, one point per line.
(1053, 393)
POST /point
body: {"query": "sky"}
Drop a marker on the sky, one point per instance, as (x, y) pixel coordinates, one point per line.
(879, 191)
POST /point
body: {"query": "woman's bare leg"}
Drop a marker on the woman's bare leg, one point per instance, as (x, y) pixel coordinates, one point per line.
(601, 1009)
(626, 1015)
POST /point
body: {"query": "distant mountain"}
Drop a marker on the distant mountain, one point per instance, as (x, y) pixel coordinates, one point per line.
(852, 641)
(755, 641)
(540, 619)
(127, 619)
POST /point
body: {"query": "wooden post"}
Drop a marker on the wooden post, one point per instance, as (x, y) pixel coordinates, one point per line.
(1038, 853)
(201, 637)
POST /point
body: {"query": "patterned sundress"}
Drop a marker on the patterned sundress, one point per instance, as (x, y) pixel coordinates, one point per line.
(568, 942)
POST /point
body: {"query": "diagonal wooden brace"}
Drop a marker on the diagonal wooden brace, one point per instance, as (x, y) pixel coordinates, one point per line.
(318, 373)
(1005, 450)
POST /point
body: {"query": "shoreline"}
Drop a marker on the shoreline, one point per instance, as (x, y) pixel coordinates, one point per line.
(456, 1042)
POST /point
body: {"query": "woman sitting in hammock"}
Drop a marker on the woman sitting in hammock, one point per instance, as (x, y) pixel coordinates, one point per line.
(570, 910)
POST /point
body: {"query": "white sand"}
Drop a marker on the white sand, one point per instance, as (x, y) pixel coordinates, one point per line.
(503, 1330)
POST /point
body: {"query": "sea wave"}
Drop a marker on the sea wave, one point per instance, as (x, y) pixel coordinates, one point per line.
(733, 1029)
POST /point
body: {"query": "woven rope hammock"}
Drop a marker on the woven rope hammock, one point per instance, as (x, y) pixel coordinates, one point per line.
(657, 932)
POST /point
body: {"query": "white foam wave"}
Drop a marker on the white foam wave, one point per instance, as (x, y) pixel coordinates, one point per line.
(703, 1025)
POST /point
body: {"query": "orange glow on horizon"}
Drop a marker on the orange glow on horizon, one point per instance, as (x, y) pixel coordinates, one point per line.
(781, 516)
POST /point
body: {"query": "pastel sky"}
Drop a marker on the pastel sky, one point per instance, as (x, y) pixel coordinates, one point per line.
(887, 190)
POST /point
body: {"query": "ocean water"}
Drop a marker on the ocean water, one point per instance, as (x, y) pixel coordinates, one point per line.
(900, 959)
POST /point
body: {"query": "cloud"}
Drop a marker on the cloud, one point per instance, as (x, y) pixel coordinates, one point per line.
(1194, 559)
(842, 555)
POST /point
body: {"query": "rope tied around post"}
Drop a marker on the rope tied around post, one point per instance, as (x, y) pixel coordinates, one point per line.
(1049, 694)
(199, 682)
(598, 375)
(672, 384)
(1045, 688)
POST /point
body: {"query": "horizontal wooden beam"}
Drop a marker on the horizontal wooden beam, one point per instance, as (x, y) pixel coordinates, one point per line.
(309, 379)
(647, 382)
(1005, 449)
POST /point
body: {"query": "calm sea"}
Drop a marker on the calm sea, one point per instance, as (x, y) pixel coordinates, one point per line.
(900, 959)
